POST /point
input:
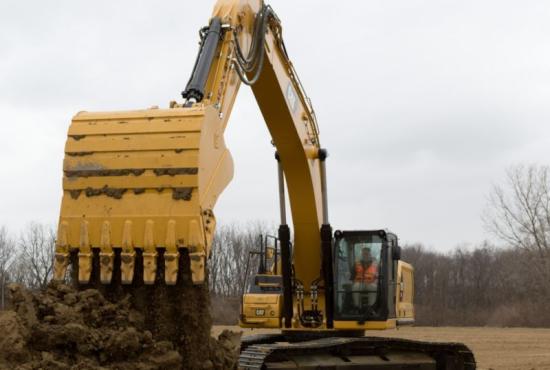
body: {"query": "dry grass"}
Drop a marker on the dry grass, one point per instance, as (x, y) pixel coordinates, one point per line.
(494, 348)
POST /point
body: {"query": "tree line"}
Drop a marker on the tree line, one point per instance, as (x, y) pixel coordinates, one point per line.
(481, 286)
(26, 259)
(504, 284)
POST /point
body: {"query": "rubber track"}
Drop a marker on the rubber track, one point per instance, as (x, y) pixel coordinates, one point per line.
(449, 356)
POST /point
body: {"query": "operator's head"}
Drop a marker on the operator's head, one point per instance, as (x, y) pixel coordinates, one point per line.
(365, 255)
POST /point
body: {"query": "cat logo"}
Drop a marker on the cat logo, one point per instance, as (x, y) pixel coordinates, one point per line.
(291, 97)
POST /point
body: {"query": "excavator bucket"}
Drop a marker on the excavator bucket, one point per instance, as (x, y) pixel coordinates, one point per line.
(143, 180)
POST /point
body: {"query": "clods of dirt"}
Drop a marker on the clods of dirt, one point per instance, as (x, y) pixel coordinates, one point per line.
(63, 328)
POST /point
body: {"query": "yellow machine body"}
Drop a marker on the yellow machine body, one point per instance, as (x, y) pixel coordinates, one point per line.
(265, 310)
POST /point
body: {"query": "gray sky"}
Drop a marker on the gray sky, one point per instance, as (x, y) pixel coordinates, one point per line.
(422, 104)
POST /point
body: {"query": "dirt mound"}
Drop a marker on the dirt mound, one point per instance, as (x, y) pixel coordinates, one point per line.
(63, 328)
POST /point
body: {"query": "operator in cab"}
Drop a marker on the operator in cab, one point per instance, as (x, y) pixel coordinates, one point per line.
(365, 279)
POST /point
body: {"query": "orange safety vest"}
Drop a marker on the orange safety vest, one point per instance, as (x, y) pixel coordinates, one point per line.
(367, 275)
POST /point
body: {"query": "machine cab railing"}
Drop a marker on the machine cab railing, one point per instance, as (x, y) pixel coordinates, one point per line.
(265, 260)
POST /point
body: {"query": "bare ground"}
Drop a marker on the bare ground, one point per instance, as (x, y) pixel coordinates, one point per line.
(494, 348)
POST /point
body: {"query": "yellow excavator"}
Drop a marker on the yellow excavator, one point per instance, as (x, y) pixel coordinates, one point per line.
(139, 189)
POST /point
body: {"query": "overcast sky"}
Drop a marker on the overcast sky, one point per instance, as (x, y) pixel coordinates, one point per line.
(422, 104)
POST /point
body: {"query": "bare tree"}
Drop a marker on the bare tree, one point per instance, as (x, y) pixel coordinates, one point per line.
(7, 257)
(519, 214)
(37, 248)
(7, 251)
(229, 257)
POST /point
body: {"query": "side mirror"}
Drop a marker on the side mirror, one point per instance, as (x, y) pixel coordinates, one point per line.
(396, 252)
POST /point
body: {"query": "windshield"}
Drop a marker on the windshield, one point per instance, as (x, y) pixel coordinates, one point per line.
(358, 259)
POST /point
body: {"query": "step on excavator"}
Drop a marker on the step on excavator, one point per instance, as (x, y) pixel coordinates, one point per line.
(139, 190)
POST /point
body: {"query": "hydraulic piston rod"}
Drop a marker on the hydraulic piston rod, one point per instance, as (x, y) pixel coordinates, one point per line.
(284, 239)
(194, 91)
(326, 244)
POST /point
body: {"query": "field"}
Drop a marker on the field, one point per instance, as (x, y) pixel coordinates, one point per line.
(494, 348)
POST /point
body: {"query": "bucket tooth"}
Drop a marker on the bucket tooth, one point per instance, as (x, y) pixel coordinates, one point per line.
(197, 267)
(84, 267)
(171, 256)
(127, 242)
(106, 266)
(84, 255)
(210, 225)
(197, 255)
(127, 264)
(148, 238)
(149, 254)
(128, 255)
(84, 237)
(62, 259)
(106, 235)
(171, 268)
(171, 235)
(149, 267)
(106, 256)
(61, 262)
(194, 234)
(62, 236)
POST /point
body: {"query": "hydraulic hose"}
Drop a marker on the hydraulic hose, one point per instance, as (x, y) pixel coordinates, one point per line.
(253, 62)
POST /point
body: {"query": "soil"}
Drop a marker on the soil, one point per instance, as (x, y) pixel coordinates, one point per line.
(114, 327)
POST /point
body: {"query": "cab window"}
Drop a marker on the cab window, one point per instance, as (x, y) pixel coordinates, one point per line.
(357, 266)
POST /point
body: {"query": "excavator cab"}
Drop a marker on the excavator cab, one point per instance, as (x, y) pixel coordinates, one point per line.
(365, 272)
